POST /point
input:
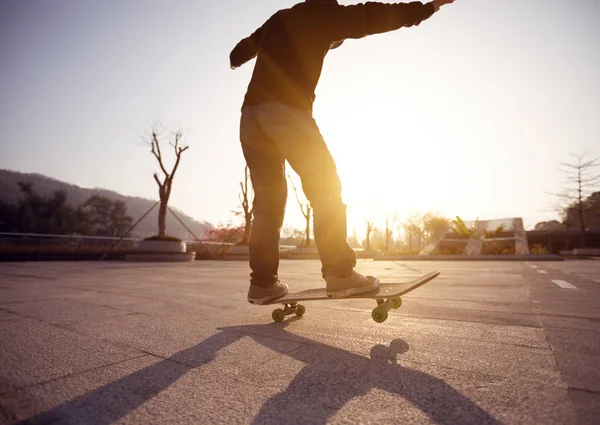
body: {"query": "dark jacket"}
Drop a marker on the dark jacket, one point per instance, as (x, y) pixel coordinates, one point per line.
(292, 44)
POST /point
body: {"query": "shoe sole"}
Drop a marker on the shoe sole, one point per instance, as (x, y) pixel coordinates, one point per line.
(260, 301)
(355, 291)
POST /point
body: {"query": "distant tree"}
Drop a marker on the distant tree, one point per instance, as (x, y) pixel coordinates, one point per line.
(390, 224)
(292, 236)
(353, 240)
(582, 179)
(9, 218)
(370, 223)
(550, 226)
(306, 209)
(378, 240)
(227, 233)
(247, 206)
(107, 217)
(592, 208)
(48, 215)
(435, 226)
(413, 228)
(165, 186)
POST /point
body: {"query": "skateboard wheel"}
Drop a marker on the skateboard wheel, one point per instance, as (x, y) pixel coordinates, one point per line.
(397, 303)
(278, 315)
(379, 314)
(300, 310)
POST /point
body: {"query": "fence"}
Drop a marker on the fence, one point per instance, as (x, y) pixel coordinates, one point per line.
(47, 247)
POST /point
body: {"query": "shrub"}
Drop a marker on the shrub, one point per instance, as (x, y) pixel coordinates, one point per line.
(538, 249)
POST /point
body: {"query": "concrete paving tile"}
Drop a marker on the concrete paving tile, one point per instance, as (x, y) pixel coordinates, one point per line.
(32, 352)
(190, 306)
(493, 317)
(470, 305)
(576, 352)
(194, 340)
(465, 348)
(34, 292)
(306, 388)
(144, 390)
(105, 298)
(584, 342)
(11, 296)
(587, 405)
(498, 359)
(358, 324)
(568, 307)
(7, 315)
(342, 387)
(62, 311)
(96, 396)
(577, 322)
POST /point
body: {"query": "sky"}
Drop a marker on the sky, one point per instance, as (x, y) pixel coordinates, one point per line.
(467, 114)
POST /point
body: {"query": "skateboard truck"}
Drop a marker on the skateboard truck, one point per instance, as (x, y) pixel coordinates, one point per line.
(289, 308)
(380, 313)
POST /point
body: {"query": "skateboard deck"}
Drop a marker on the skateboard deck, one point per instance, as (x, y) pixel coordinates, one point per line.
(388, 296)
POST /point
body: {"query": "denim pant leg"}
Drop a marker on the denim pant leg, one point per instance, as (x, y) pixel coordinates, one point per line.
(297, 137)
(267, 172)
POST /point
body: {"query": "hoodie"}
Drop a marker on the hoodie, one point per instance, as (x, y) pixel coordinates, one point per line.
(291, 45)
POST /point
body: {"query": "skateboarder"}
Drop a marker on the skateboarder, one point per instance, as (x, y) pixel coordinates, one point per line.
(277, 125)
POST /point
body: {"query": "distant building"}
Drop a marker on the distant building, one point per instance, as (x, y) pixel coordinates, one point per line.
(498, 236)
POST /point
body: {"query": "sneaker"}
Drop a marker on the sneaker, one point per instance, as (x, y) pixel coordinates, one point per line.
(260, 295)
(355, 284)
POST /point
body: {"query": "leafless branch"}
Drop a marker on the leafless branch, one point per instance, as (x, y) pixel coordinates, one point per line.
(157, 180)
(157, 153)
(300, 203)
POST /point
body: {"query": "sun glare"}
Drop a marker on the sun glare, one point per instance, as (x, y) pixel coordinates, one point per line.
(383, 171)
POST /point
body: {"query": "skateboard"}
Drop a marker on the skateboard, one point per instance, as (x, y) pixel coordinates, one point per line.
(387, 296)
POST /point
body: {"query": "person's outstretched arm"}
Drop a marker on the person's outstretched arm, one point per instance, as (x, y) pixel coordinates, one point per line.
(360, 20)
(246, 49)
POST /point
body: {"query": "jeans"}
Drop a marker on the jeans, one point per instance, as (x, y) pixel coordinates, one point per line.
(272, 133)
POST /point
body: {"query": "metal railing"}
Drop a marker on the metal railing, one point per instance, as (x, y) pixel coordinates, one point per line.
(48, 247)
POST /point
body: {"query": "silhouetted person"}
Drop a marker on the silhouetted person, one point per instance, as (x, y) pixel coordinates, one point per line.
(277, 125)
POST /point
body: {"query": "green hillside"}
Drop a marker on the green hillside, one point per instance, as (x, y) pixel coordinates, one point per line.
(136, 207)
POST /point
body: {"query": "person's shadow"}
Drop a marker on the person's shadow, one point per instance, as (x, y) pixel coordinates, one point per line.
(331, 378)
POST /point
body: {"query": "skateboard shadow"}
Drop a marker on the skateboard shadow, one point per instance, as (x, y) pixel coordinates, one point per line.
(331, 378)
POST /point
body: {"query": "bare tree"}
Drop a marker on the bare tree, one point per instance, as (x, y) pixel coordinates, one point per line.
(165, 186)
(581, 181)
(413, 227)
(306, 212)
(390, 224)
(247, 206)
(370, 222)
(388, 233)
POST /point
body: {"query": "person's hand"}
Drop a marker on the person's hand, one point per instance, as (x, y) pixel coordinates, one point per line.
(439, 3)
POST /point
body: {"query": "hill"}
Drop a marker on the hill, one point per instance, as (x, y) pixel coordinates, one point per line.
(136, 207)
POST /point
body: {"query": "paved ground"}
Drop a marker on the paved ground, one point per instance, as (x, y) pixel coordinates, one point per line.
(102, 343)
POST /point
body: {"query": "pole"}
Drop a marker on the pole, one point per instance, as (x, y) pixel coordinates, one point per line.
(192, 233)
(128, 232)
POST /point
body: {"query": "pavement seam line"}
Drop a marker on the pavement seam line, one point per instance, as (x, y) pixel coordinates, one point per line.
(38, 384)
(469, 339)
(552, 351)
(584, 390)
(110, 293)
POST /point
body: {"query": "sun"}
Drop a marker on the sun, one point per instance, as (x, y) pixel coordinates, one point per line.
(380, 176)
